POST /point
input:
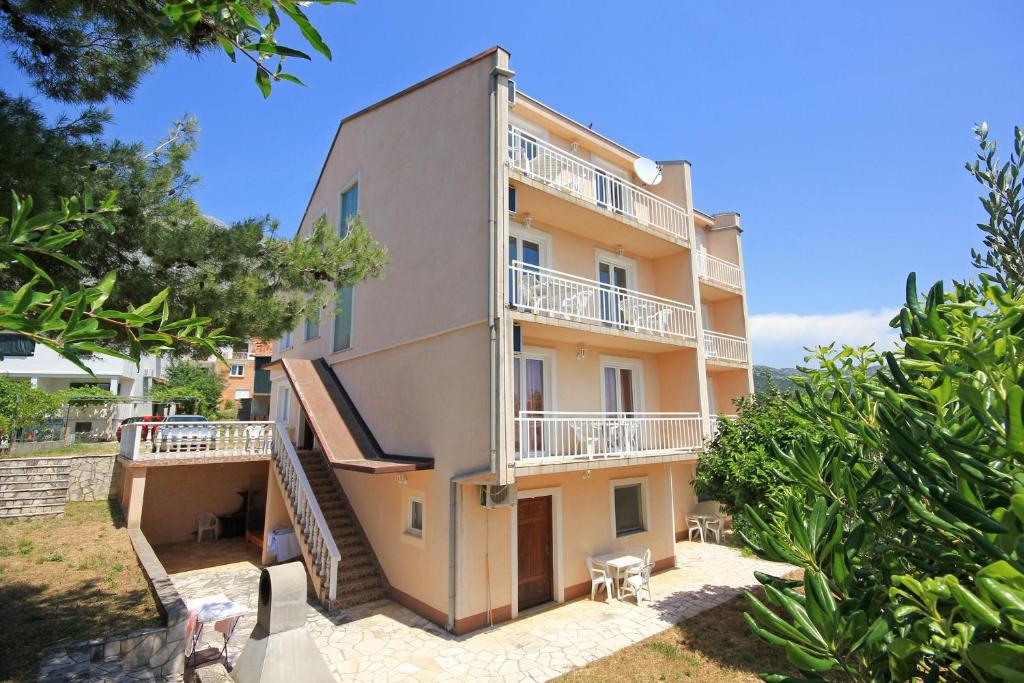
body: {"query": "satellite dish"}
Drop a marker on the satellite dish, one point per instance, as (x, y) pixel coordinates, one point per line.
(647, 171)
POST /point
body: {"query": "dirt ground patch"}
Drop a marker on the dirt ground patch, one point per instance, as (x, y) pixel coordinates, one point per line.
(67, 579)
(715, 646)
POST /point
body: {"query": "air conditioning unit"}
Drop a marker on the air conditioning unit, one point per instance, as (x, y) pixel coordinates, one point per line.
(494, 496)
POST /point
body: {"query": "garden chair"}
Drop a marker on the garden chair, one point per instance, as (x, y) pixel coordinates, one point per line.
(692, 525)
(598, 577)
(715, 526)
(207, 521)
(637, 581)
(639, 551)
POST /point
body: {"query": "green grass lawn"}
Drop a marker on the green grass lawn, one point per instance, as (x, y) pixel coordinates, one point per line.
(67, 579)
(100, 448)
(716, 646)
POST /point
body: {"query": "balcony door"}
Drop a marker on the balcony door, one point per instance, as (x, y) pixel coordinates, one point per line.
(620, 389)
(525, 285)
(614, 279)
(532, 374)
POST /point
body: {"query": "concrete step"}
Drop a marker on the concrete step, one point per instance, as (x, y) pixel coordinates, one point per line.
(15, 463)
(24, 496)
(17, 512)
(33, 482)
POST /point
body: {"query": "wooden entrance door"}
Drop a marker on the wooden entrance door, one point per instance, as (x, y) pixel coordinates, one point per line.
(535, 541)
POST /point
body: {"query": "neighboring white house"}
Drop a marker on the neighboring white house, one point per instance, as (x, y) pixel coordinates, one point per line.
(47, 370)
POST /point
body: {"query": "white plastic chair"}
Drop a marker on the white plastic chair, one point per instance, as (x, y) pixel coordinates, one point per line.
(638, 580)
(207, 521)
(694, 525)
(715, 526)
(598, 577)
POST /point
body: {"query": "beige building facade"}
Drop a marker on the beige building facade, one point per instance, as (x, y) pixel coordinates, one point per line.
(556, 332)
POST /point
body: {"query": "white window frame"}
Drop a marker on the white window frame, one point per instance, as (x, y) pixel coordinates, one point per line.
(410, 503)
(611, 168)
(645, 505)
(628, 264)
(284, 395)
(621, 362)
(543, 239)
(550, 358)
(241, 394)
(241, 370)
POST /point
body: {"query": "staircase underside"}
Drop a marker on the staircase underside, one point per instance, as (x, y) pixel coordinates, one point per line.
(347, 444)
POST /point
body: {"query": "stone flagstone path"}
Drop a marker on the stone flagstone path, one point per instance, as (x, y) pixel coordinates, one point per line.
(383, 641)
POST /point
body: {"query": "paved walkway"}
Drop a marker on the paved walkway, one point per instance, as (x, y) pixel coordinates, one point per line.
(383, 641)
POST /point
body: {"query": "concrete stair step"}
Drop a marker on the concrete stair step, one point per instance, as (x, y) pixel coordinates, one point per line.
(34, 494)
(33, 477)
(38, 485)
(15, 511)
(26, 514)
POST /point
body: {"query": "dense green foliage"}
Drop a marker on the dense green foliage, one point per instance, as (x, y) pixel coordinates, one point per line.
(737, 468)
(186, 380)
(78, 323)
(22, 405)
(243, 277)
(908, 524)
(246, 280)
(89, 50)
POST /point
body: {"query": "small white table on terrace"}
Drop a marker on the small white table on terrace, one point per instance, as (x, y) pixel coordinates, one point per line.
(217, 610)
(616, 564)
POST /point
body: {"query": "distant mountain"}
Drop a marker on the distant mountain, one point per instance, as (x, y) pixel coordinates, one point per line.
(764, 374)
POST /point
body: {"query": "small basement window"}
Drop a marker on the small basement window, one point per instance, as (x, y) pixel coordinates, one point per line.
(629, 508)
(414, 523)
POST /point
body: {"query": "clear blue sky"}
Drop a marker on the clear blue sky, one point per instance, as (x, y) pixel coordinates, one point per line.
(838, 130)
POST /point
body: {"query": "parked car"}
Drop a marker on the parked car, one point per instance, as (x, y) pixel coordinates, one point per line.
(182, 432)
(145, 419)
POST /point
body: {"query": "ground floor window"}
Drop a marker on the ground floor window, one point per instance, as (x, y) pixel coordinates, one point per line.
(629, 507)
(414, 521)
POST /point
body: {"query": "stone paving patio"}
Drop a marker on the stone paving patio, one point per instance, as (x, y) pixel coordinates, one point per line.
(383, 641)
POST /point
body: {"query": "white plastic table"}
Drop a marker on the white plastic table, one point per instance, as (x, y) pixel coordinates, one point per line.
(617, 563)
(702, 518)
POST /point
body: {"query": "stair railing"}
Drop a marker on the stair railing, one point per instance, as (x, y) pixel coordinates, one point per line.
(323, 551)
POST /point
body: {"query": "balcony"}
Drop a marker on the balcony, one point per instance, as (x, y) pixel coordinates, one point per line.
(585, 182)
(548, 437)
(725, 349)
(719, 272)
(176, 442)
(551, 294)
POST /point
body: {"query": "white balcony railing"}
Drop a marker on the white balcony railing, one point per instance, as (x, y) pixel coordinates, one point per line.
(719, 271)
(716, 420)
(147, 441)
(727, 347)
(543, 436)
(584, 180)
(547, 292)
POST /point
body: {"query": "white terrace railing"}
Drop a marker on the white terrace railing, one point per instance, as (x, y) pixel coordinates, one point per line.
(148, 441)
(542, 161)
(719, 271)
(715, 420)
(548, 292)
(727, 347)
(546, 436)
(306, 513)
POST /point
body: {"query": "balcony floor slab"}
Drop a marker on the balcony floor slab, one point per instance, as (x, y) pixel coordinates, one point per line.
(526, 468)
(554, 328)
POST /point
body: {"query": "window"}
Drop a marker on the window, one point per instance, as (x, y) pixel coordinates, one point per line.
(83, 427)
(283, 401)
(312, 328)
(629, 507)
(241, 394)
(343, 304)
(414, 521)
(286, 340)
(237, 370)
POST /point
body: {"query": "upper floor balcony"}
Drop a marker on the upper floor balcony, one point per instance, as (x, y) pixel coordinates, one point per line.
(719, 272)
(556, 170)
(726, 349)
(602, 307)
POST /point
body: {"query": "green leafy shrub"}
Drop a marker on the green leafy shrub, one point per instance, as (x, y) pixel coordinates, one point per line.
(192, 383)
(908, 523)
(737, 469)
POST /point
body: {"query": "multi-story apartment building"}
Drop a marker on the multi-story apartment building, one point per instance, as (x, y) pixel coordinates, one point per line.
(555, 332)
(246, 379)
